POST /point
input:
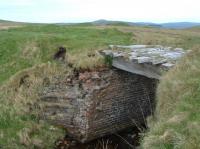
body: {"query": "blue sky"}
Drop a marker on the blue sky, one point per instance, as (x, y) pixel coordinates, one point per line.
(49, 11)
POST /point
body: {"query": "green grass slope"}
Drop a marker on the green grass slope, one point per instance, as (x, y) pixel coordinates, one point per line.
(34, 44)
(26, 52)
(177, 123)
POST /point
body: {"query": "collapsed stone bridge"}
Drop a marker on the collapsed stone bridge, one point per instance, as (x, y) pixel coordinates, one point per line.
(97, 103)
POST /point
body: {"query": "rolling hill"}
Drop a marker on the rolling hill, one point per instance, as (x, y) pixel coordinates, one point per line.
(101, 22)
(171, 25)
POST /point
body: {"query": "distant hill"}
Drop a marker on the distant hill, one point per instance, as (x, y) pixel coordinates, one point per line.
(4, 21)
(107, 22)
(7, 21)
(10, 22)
(171, 25)
(180, 25)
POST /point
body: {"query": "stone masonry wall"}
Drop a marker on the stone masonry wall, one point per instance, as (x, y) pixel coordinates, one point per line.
(94, 104)
(125, 102)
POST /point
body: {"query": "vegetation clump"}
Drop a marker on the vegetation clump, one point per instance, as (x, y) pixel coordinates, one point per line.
(177, 121)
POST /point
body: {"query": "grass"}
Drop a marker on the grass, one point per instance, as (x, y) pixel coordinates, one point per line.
(20, 126)
(154, 36)
(34, 44)
(26, 53)
(8, 24)
(177, 121)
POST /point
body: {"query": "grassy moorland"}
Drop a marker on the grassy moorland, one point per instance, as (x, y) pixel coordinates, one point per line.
(176, 123)
(27, 51)
(8, 24)
(35, 44)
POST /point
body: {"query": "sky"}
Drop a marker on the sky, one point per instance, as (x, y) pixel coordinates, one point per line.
(51, 11)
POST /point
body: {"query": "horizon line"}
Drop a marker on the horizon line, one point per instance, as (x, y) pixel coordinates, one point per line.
(76, 22)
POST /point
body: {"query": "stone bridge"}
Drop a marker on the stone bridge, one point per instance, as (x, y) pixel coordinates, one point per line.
(97, 103)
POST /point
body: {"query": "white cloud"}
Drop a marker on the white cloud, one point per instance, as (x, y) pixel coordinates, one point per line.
(130, 10)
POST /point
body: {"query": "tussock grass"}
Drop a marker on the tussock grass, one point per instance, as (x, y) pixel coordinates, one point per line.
(177, 122)
(26, 65)
(88, 59)
(20, 126)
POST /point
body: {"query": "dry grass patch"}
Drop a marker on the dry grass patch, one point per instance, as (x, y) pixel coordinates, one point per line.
(19, 115)
(177, 113)
(30, 50)
(86, 59)
(4, 26)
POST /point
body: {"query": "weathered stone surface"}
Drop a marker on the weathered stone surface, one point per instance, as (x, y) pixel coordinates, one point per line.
(144, 60)
(95, 104)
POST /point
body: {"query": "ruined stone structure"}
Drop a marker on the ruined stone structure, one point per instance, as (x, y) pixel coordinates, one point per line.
(144, 60)
(97, 103)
